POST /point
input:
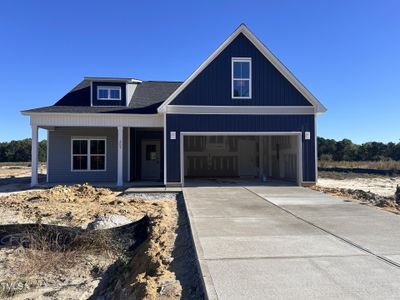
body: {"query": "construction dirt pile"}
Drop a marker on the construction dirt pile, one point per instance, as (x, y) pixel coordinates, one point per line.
(377, 184)
(361, 196)
(163, 267)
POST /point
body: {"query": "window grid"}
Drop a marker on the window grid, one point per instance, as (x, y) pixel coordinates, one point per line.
(111, 92)
(88, 155)
(241, 80)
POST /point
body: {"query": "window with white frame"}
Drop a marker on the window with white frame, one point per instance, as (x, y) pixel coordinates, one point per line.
(241, 78)
(88, 154)
(109, 93)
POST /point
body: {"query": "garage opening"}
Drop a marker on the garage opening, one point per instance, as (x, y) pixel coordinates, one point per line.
(262, 158)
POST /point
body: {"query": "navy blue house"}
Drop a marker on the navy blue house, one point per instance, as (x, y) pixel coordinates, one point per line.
(240, 116)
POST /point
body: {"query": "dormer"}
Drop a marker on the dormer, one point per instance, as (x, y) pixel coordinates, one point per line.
(111, 91)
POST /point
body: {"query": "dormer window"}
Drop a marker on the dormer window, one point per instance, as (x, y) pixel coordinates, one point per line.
(109, 93)
(241, 78)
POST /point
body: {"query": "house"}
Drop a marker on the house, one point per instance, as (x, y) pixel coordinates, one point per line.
(240, 114)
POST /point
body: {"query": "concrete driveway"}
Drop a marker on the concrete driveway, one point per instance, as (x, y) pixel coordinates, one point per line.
(292, 243)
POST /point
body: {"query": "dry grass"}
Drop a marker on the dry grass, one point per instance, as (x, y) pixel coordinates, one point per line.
(144, 276)
(45, 251)
(379, 165)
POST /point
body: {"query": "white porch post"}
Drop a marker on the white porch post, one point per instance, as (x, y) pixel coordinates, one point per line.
(120, 163)
(34, 154)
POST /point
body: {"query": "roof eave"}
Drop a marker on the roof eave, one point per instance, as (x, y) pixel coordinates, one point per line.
(113, 79)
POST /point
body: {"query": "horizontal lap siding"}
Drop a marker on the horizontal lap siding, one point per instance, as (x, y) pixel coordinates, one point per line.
(59, 168)
(239, 123)
(213, 85)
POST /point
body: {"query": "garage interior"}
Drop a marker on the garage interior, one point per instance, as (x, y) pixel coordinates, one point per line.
(256, 158)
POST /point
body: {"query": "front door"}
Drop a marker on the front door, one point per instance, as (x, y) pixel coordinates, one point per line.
(151, 160)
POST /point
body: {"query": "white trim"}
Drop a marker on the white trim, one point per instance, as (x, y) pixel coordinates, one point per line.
(112, 79)
(319, 108)
(316, 148)
(34, 156)
(165, 148)
(108, 89)
(126, 96)
(91, 93)
(300, 159)
(95, 120)
(299, 135)
(129, 154)
(47, 156)
(120, 156)
(88, 154)
(248, 110)
(241, 59)
(242, 133)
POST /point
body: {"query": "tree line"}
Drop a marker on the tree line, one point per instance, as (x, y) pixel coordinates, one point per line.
(345, 150)
(328, 149)
(20, 151)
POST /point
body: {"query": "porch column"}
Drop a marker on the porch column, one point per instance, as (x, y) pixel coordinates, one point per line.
(34, 156)
(120, 163)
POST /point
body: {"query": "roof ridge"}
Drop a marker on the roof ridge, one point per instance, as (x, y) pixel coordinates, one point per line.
(164, 81)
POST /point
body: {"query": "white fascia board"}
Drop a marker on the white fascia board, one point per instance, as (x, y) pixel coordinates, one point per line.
(96, 120)
(113, 79)
(319, 107)
(248, 110)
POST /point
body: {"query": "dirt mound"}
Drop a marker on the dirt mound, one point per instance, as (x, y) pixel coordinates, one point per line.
(76, 193)
(362, 196)
(150, 272)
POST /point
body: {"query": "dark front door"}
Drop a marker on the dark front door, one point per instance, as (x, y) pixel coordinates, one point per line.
(151, 162)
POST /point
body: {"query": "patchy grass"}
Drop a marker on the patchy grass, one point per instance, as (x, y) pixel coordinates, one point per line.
(379, 165)
(352, 175)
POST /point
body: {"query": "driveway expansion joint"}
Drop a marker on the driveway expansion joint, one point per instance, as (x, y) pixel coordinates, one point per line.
(347, 241)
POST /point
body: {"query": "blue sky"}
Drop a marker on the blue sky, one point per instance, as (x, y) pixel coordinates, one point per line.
(345, 52)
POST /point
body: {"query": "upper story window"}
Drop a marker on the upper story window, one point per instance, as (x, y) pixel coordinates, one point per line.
(109, 93)
(241, 78)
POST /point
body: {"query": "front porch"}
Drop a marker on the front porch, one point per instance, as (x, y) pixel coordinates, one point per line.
(119, 156)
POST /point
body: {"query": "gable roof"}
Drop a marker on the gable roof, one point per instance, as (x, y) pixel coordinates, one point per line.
(319, 107)
(147, 97)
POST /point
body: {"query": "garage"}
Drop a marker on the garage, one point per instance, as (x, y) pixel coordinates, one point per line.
(262, 157)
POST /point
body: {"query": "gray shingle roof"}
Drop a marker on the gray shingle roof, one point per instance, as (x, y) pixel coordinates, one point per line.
(147, 97)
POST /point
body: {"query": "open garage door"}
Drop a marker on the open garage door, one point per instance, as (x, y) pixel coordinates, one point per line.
(253, 157)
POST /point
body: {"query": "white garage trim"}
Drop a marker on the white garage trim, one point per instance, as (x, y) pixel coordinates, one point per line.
(240, 110)
(241, 133)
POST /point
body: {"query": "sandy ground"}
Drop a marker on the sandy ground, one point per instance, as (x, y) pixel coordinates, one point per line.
(18, 171)
(157, 270)
(17, 176)
(381, 185)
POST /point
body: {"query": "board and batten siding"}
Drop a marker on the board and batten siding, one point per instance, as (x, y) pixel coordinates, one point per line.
(213, 86)
(239, 123)
(59, 161)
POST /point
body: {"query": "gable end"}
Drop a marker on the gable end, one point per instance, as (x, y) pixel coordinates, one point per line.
(272, 84)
